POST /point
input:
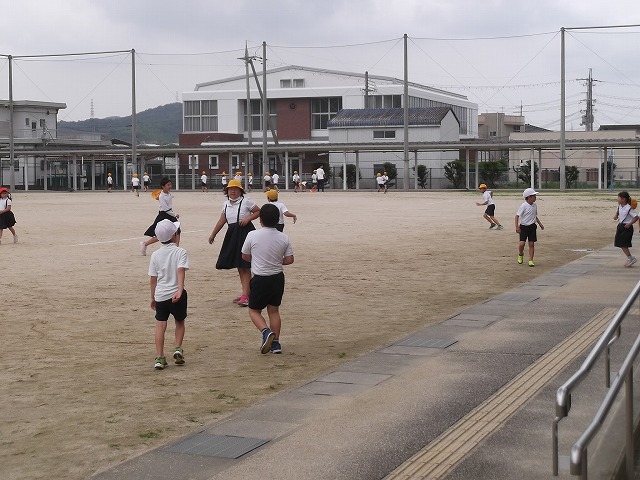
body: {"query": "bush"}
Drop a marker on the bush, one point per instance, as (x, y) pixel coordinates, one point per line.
(454, 171)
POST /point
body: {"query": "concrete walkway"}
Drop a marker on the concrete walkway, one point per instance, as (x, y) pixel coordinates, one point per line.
(471, 397)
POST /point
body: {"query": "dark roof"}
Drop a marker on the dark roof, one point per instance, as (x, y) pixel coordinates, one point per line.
(388, 117)
(528, 128)
(619, 127)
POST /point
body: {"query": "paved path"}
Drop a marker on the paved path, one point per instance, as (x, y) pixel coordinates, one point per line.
(467, 398)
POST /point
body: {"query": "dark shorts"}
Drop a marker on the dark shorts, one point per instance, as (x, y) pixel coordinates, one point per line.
(136, 187)
(167, 307)
(266, 291)
(491, 210)
(203, 184)
(146, 184)
(528, 232)
(623, 236)
(280, 227)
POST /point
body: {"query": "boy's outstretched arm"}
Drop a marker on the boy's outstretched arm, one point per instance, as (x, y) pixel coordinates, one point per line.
(288, 260)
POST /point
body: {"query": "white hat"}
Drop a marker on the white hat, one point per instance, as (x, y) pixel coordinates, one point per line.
(166, 229)
(528, 192)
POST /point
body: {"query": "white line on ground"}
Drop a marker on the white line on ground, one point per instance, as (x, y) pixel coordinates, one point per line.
(122, 240)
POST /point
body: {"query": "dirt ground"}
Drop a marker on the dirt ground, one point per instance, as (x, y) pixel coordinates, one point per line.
(78, 389)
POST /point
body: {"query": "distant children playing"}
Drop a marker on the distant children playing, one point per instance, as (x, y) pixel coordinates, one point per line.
(272, 196)
(487, 197)
(146, 181)
(7, 218)
(626, 217)
(203, 182)
(268, 250)
(526, 219)
(167, 269)
(165, 212)
(237, 213)
(135, 184)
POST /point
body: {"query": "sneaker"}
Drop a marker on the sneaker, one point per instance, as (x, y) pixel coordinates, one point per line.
(276, 347)
(500, 227)
(15, 239)
(143, 248)
(178, 356)
(531, 264)
(237, 299)
(630, 261)
(493, 225)
(520, 259)
(161, 362)
(267, 340)
(243, 301)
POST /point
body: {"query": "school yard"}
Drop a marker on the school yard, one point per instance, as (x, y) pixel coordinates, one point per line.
(78, 388)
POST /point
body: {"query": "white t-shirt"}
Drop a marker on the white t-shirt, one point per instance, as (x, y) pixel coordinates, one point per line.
(314, 178)
(231, 209)
(380, 180)
(296, 178)
(135, 182)
(250, 179)
(320, 173)
(238, 178)
(267, 248)
(164, 265)
(203, 179)
(282, 208)
(7, 203)
(267, 178)
(145, 178)
(486, 196)
(385, 178)
(527, 213)
(274, 178)
(110, 180)
(626, 214)
(224, 180)
(165, 203)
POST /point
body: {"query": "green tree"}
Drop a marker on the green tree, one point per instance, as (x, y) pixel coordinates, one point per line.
(571, 174)
(351, 175)
(525, 172)
(454, 171)
(422, 176)
(490, 172)
(392, 172)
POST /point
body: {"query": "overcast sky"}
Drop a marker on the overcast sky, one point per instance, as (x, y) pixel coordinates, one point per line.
(503, 55)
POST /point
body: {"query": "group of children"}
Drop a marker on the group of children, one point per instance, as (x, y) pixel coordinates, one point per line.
(382, 180)
(526, 222)
(259, 256)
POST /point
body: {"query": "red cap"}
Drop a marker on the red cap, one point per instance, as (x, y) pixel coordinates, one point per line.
(4, 189)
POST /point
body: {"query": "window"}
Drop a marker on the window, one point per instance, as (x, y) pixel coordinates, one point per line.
(235, 161)
(213, 161)
(43, 123)
(200, 116)
(298, 82)
(285, 83)
(385, 101)
(383, 134)
(256, 115)
(517, 128)
(493, 134)
(193, 162)
(295, 83)
(323, 110)
(27, 122)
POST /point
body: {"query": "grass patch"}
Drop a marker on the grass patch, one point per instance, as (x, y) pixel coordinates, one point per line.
(149, 434)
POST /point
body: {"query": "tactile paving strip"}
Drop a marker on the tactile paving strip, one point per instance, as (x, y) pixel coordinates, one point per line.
(224, 446)
(440, 456)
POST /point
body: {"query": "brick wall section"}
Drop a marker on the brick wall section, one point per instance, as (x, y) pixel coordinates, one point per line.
(195, 139)
(294, 118)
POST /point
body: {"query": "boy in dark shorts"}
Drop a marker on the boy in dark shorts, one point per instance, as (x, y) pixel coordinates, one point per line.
(526, 219)
(489, 213)
(626, 217)
(268, 250)
(167, 269)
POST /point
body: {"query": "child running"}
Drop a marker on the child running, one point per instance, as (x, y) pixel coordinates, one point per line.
(487, 196)
(224, 181)
(526, 219)
(167, 269)
(165, 212)
(146, 181)
(203, 182)
(626, 217)
(250, 181)
(296, 181)
(272, 196)
(109, 182)
(267, 250)
(237, 213)
(7, 218)
(135, 184)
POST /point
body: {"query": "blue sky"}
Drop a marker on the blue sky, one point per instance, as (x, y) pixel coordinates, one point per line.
(500, 54)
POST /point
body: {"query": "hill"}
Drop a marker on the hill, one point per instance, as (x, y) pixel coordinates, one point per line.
(160, 125)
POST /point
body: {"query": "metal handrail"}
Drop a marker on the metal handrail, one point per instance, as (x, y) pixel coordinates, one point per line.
(563, 395)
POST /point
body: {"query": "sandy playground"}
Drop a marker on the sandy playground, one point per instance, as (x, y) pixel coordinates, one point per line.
(77, 387)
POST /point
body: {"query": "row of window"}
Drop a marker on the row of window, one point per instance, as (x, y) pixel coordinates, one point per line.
(33, 125)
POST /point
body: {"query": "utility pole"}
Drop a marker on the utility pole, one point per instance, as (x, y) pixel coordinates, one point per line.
(249, 156)
(587, 118)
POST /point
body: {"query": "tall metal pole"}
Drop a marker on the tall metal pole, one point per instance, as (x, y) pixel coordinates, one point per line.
(12, 175)
(134, 140)
(563, 158)
(366, 90)
(249, 155)
(265, 113)
(406, 117)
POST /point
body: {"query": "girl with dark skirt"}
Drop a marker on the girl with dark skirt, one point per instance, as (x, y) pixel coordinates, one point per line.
(165, 211)
(7, 219)
(237, 213)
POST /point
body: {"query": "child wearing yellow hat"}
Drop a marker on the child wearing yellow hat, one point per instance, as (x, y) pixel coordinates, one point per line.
(203, 182)
(223, 179)
(296, 181)
(146, 181)
(135, 184)
(109, 182)
(487, 197)
(272, 196)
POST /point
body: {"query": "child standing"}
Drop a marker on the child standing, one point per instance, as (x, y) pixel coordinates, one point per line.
(165, 212)
(7, 218)
(109, 182)
(380, 182)
(146, 181)
(268, 250)
(203, 182)
(526, 219)
(267, 181)
(275, 178)
(626, 217)
(296, 181)
(135, 184)
(250, 181)
(272, 196)
(487, 196)
(167, 269)
(238, 176)
(224, 181)
(237, 213)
